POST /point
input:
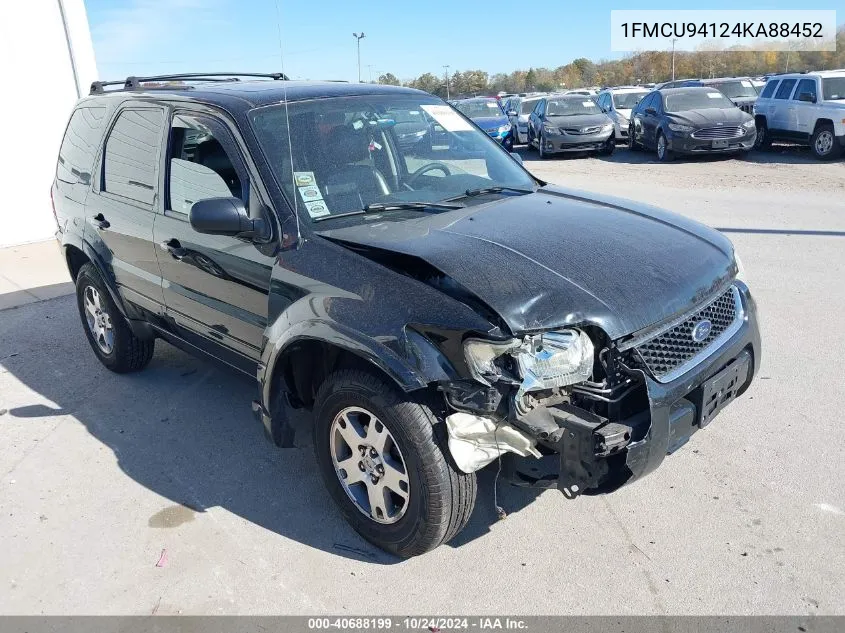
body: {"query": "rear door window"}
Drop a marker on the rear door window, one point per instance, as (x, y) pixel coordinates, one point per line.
(130, 165)
(785, 89)
(79, 146)
(769, 90)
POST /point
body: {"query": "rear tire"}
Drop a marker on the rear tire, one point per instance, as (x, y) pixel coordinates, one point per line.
(110, 336)
(438, 499)
(823, 142)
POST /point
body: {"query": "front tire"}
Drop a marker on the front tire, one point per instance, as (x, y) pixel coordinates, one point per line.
(608, 148)
(110, 336)
(823, 142)
(763, 141)
(385, 461)
(664, 154)
(632, 144)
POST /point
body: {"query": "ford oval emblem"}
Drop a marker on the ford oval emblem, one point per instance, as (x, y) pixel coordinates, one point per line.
(701, 330)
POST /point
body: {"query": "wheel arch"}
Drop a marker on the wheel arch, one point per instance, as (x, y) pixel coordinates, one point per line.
(821, 122)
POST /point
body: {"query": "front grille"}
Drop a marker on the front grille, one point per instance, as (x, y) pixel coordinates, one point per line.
(711, 133)
(582, 130)
(674, 347)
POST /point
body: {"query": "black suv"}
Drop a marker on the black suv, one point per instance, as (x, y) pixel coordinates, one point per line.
(435, 307)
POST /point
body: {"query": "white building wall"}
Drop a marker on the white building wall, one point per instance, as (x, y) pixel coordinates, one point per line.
(37, 93)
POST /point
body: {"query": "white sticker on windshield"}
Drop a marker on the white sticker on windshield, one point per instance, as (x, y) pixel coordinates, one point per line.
(304, 178)
(310, 193)
(317, 209)
(587, 104)
(448, 118)
(714, 95)
(746, 83)
(357, 124)
(491, 104)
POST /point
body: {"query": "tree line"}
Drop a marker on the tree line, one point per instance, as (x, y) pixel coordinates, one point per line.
(636, 68)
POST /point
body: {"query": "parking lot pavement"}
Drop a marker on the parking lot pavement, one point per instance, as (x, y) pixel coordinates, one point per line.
(32, 272)
(100, 474)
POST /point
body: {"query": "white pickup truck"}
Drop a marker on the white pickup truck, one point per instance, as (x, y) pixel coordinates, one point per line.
(806, 108)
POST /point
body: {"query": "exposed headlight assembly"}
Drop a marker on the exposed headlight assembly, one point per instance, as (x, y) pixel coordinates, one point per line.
(550, 129)
(543, 361)
(749, 125)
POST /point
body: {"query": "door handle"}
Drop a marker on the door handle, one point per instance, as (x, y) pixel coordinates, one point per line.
(173, 247)
(100, 222)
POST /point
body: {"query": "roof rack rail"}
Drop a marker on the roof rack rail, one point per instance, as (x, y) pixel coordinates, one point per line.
(134, 83)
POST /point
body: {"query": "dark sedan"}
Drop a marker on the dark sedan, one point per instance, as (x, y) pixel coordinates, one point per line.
(690, 121)
(571, 123)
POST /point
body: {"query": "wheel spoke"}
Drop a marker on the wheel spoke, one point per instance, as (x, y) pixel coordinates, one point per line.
(395, 479)
(351, 432)
(96, 297)
(89, 306)
(377, 435)
(350, 467)
(375, 492)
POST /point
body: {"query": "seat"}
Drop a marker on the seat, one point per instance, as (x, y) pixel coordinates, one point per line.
(212, 155)
(351, 184)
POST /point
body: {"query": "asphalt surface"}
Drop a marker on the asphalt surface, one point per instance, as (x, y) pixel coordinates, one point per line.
(104, 477)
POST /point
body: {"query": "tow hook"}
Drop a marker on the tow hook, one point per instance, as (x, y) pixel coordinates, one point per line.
(586, 443)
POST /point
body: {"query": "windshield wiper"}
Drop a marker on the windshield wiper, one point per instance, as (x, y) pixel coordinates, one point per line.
(376, 207)
(469, 193)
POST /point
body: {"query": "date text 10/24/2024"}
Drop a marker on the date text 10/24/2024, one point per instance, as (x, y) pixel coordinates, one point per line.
(418, 623)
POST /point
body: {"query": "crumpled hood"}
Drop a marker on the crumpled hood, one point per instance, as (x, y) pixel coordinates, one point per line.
(710, 116)
(561, 257)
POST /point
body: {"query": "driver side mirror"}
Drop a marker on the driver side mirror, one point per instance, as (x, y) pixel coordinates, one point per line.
(224, 216)
(650, 111)
(511, 112)
(809, 97)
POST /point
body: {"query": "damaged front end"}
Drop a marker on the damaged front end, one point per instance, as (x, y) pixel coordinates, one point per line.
(574, 410)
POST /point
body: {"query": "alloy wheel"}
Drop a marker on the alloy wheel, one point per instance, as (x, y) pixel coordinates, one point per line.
(661, 146)
(99, 320)
(824, 143)
(369, 465)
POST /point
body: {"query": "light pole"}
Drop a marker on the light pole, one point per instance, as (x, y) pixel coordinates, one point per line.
(370, 68)
(673, 58)
(446, 68)
(359, 37)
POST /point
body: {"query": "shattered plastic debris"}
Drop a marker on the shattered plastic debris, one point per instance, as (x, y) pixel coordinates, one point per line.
(162, 560)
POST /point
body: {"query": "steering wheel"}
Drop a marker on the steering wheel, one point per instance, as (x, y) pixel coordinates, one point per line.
(435, 166)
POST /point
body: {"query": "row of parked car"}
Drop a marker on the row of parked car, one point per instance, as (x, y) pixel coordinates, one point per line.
(688, 116)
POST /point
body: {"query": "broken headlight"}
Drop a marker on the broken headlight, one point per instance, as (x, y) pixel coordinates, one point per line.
(554, 359)
(542, 361)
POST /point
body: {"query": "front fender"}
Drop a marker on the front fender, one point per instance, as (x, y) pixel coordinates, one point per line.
(409, 359)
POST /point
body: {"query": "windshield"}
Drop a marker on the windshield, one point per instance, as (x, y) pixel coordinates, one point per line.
(476, 109)
(627, 100)
(528, 106)
(696, 100)
(347, 153)
(571, 106)
(405, 116)
(740, 89)
(833, 88)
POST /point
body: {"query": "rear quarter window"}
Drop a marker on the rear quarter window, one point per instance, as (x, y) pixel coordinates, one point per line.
(80, 143)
